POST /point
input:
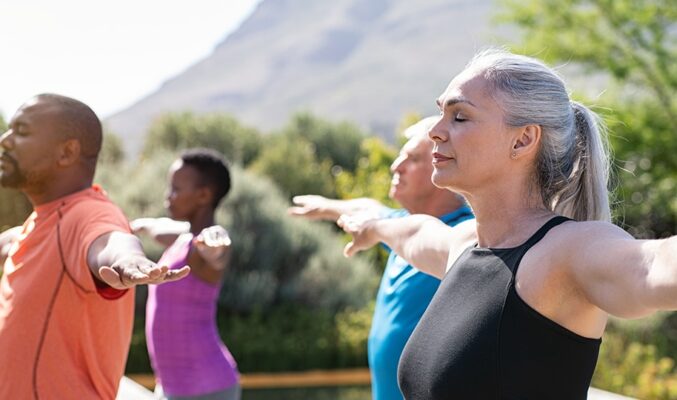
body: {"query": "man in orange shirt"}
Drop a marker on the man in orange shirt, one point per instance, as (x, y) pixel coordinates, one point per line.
(66, 310)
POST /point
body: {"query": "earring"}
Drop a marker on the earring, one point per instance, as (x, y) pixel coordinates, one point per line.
(513, 155)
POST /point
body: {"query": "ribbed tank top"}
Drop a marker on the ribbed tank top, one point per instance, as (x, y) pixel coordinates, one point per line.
(479, 340)
(184, 346)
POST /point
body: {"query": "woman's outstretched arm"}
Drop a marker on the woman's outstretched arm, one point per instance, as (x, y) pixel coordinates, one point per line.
(624, 276)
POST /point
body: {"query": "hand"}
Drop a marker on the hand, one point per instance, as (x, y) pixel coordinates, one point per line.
(359, 226)
(313, 207)
(141, 224)
(213, 244)
(135, 270)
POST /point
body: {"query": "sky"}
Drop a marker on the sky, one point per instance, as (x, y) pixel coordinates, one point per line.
(107, 54)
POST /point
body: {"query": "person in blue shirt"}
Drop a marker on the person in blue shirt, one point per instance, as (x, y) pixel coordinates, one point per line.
(404, 292)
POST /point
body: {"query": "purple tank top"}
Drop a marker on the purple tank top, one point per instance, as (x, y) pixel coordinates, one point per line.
(185, 349)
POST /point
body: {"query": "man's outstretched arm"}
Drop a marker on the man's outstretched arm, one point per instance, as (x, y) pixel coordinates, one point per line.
(424, 241)
(320, 207)
(117, 259)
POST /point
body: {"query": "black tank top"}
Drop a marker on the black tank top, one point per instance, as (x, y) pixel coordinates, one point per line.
(479, 340)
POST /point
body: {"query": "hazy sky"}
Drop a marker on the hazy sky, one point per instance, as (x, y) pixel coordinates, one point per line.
(105, 53)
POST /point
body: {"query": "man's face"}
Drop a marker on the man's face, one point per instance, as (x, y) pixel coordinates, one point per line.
(28, 153)
(411, 172)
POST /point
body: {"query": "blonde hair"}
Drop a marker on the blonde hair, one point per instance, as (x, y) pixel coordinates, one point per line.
(572, 167)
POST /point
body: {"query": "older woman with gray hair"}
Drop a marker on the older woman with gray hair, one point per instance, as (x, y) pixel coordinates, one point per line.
(529, 285)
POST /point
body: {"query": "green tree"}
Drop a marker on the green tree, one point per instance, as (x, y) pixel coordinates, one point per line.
(112, 151)
(176, 131)
(293, 165)
(372, 175)
(339, 143)
(633, 41)
(635, 44)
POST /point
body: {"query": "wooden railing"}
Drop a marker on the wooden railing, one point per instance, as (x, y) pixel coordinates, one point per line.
(344, 377)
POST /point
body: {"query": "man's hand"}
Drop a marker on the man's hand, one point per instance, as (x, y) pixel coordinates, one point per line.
(135, 270)
(213, 245)
(315, 207)
(319, 207)
(360, 227)
(162, 230)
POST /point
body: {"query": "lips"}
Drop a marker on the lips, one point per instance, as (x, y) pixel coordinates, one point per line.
(440, 158)
(5, 159)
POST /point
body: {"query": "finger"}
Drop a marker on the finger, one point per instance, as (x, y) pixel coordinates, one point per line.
(151, 270)
(110, 277)
(299, 199)
(206, 243)
(176, 274)
(304, 211)
(349, 249)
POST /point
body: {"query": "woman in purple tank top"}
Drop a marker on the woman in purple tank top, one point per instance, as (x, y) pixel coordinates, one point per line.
(189, 359)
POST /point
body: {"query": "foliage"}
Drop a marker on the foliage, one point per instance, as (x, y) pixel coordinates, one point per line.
(283, 338)
(634, 369)
(339, 143)
(221, 132)
(112, 151)
(645, 151)
(635, 43)
(408, 120)
(306, 155)
(14, 208)
(294, 167)
(276, 259)
(372, 175)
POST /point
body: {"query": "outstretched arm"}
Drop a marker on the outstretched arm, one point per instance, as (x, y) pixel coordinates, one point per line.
(621, 275)
(213, 246)
(162, 230)
(6, 239)
(320, 207)
(424, 241)
(117, 259)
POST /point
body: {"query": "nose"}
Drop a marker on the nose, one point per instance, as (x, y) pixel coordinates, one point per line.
(438, 131)
(396, 166)
(4, 140)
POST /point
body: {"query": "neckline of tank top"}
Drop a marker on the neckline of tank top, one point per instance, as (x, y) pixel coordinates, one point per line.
(549, 224)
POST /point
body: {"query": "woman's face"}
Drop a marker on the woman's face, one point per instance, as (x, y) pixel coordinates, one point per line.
(183, 195)
(472, 142)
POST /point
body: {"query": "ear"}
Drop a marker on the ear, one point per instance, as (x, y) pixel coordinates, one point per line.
(205, 196)
(69, 152)
(526, 141)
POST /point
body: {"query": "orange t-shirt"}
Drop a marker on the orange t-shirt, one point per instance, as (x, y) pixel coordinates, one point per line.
(60, 336)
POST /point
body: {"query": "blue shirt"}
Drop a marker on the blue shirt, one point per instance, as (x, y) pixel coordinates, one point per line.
(402, 298)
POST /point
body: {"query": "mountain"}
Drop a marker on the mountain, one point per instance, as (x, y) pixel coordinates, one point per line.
(369, 62)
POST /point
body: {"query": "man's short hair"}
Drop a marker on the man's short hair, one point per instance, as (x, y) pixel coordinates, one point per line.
(77, 121)
(213, 170)
(421, 128)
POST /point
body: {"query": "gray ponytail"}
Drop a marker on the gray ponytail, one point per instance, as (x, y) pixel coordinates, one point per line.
(572, 167)
(585, 196)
